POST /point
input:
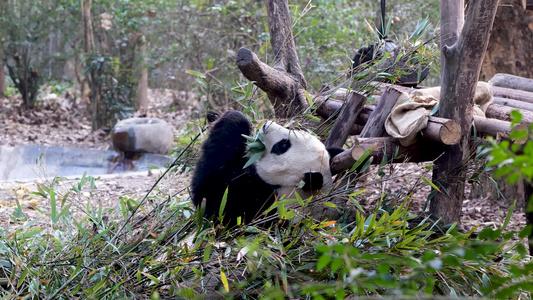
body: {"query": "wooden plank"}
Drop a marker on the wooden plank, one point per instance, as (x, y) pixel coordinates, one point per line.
(375, 125)
(345, 121)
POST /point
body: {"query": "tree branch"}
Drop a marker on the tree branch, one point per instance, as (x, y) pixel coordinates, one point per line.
(284, 83)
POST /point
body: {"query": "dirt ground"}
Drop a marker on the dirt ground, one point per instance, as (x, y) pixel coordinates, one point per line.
(60, 120)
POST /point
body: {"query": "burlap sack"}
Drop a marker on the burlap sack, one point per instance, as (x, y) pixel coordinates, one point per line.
(410, 117)
(407, 119)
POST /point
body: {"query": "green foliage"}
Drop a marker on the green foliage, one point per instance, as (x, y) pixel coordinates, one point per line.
(200, 35)
(86, 257)
(328, 33)
(25, 29)
(106, 255)
(514, 160)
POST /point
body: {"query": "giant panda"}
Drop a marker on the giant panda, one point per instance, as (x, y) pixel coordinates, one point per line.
(292, 161)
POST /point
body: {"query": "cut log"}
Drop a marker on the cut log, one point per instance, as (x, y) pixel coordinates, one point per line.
(442, 130)
(439, 129)
(345, 121)
(512, 94)
(501, 112)
(339, 94)
(375, 125)
(494, 112)
(497, 128)
(386, 147)
(514, 103)
(512, 82)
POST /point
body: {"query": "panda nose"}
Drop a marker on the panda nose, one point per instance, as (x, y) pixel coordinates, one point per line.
(313, 181)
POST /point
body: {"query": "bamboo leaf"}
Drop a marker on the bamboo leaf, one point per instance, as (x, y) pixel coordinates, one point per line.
(195, 73)
(430, 183)
(224, 281)
(223, 204)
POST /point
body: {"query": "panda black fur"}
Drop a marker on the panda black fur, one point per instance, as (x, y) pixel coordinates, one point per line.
(290, 157)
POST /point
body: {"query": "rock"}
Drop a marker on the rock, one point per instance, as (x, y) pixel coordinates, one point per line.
(143, 135)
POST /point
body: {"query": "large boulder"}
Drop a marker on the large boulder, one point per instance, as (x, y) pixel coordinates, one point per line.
(141, 135)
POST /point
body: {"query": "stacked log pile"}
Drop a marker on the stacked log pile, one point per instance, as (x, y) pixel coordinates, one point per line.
(350, 112)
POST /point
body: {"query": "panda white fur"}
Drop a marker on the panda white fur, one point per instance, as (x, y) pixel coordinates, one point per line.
(293, 161)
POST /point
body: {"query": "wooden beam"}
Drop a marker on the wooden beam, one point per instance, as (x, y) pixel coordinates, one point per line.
(494, 112)
(496, 128)
(445, 131)
(345, 121)
(375, 125)
(385, 148)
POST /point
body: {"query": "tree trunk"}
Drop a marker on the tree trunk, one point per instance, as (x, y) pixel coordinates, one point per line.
(510, 43)
(2, 78)
(87, 25)
(460, 67)
(93, 78)
(284, 83)
(142, 85)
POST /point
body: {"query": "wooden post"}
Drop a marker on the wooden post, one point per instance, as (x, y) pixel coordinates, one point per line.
(501, 112)
(386, 147)
(497, 121)
(375, 126)
(142, 85)
(495, 127)
(445, 131)
(345, 121)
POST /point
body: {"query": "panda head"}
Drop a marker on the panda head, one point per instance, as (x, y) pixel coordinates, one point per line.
(293, 160)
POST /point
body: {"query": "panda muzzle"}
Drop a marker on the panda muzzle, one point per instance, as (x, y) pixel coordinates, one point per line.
(313, 181)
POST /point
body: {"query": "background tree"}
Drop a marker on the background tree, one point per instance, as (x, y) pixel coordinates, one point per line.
(463, 44)
(511, 40)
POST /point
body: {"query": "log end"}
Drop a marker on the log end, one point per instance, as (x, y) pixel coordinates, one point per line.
(244, 57)
(445, 131)
(358, 151)
(450, 133)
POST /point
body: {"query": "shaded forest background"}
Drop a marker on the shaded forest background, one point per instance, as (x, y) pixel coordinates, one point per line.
(48, 38)
(43, 41)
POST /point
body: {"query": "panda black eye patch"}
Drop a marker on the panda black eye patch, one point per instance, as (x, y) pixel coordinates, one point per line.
(281, 147)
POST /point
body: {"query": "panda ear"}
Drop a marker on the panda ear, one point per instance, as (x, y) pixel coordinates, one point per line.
(334, 152)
